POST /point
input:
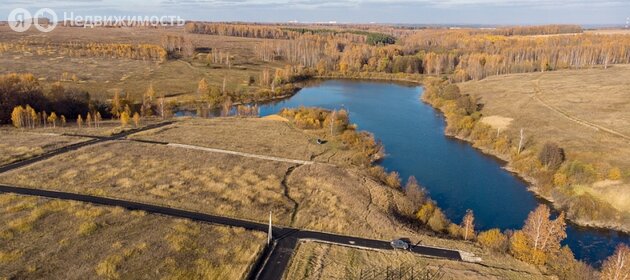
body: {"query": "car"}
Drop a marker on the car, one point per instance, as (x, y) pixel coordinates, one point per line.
(399, 244)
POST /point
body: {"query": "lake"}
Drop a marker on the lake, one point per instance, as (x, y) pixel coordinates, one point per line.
(457, 176)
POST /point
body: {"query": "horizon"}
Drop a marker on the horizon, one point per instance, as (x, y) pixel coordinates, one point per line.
(609, 13)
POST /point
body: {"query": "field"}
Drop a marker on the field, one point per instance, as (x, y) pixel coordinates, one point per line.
(323, 261)
(56, 239)
(18, 145)
(100, 76)
(585, 111)
(271, 136)
(298, 195)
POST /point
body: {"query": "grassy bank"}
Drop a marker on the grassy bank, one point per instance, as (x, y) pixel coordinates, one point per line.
(560, 174)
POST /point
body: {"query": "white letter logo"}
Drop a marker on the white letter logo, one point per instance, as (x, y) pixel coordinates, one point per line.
(20, 20)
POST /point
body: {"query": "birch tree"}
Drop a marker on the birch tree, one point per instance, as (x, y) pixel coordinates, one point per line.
(617, 266)
(468, 225)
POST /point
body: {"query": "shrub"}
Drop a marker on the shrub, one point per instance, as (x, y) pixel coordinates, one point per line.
(587, 206)
(614, 174)
(426, 211)
(87, 228)
(438, 221)
(551, 155)
(415, 192)
(579, 172)
(467, 104)
(450, 92)
(560, 179)
(565, 266)
(393, 180)
(108, 268)
(454, 231)
(493, 239)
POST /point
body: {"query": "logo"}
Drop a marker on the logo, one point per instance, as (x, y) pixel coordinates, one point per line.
(21, 20)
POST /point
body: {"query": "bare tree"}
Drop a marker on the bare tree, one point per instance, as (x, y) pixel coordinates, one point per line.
(468, 225)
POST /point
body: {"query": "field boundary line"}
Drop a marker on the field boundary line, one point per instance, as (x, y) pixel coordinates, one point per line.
(537, 94)
(213, 150)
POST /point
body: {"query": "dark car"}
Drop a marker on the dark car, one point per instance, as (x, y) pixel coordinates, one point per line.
(399, 244)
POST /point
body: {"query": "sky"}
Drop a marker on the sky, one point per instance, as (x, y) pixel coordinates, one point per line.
(486, 12)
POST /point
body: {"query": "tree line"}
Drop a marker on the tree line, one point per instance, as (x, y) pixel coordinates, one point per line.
(460, 54)
(24, 89)
(550, 29)
(82, 49)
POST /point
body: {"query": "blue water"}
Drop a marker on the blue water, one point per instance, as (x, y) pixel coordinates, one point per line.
(456, 175)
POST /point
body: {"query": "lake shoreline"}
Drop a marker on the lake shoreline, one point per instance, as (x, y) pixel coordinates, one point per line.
(503, 159)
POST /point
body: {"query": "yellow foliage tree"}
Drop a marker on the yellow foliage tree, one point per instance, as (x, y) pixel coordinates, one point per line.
(52, 119)
(425, 212)
(438, 221)
(17, 116)
(124, 118)
(493, 239)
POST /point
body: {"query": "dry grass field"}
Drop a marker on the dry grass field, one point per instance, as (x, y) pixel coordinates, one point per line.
(319, 196)
(323, 261)
(100, 76)
(587, 112)
(22, 144)
(264, 136)
(308, 196)
(56, 239)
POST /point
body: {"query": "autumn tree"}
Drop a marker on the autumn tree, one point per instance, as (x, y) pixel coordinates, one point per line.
(617, 266)
(202, 88)
(17, 116)
(551, 155)
(116, 104)
(564, 265)
(88, 120)
(124, 118)
(136, 119)
(539, 237)
(44, 118)
(147, 102)
(493, 239)
(161, 106)
(414, 191)
(63, 121)
(425, 212)
(438, 221)
(97, 119)
(468, 225)
(52, 119)
(393, 180)
(80, 121)
(454, 230)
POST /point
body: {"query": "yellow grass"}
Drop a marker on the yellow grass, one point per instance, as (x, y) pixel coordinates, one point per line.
(18, 144)
(65, 243)
(324, 261)
(578, 109)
